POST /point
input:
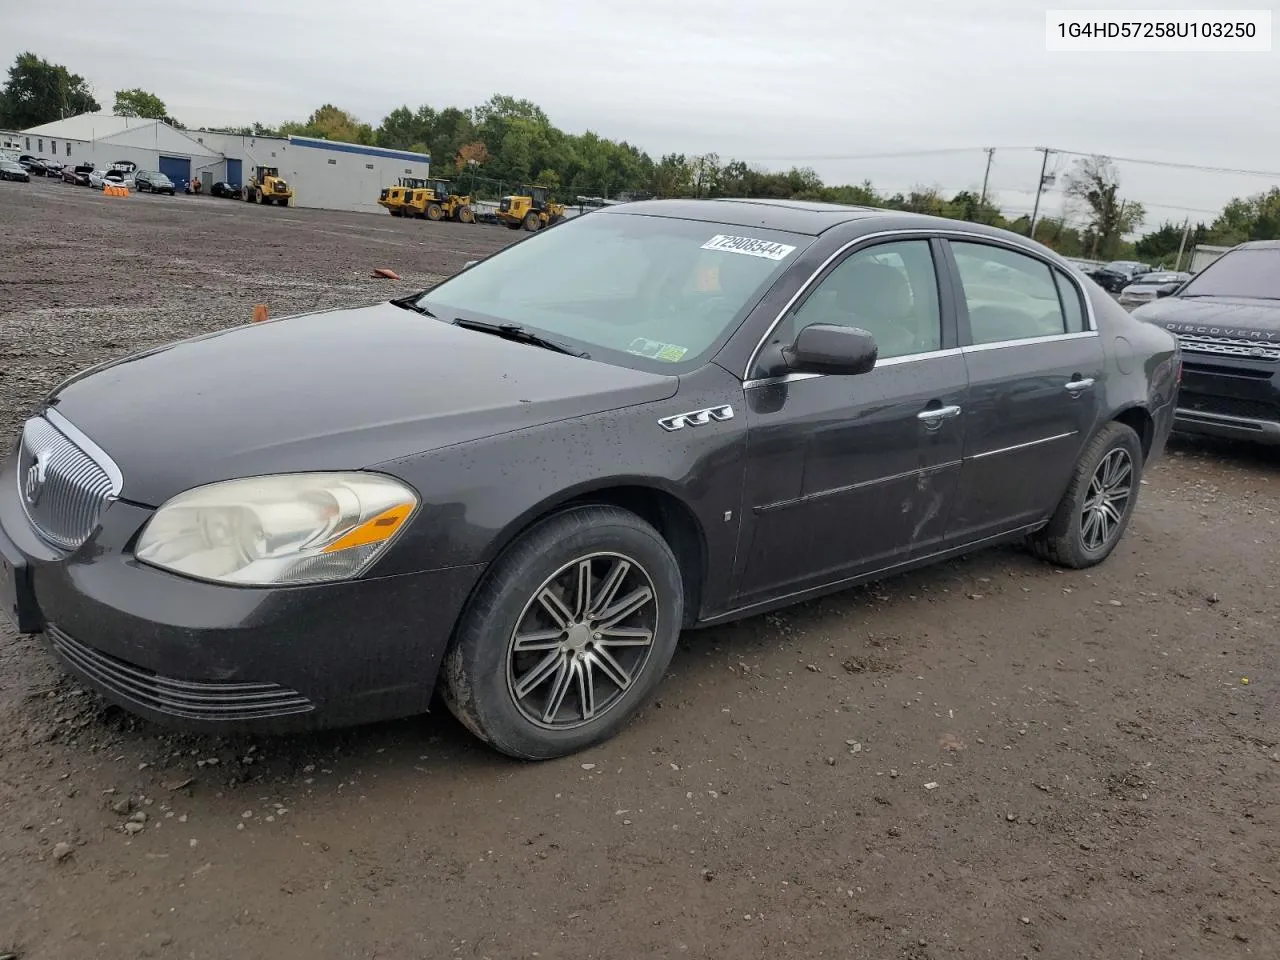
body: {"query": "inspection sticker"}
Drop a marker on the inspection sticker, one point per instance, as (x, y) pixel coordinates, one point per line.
(749, 246)
(657, 350)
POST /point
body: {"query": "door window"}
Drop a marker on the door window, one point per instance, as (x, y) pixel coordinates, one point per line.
(1072, 308)
(1010, 296)
(890, 290)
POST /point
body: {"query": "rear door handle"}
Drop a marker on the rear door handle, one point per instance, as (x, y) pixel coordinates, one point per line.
(1075, 386)
(933, 415)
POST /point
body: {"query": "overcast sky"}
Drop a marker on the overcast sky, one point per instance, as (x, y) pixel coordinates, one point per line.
(800, 81)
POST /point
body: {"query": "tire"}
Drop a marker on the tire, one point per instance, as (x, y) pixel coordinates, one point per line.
(1073, 538)
(482, 672)
(283, 201)
(465, 214)
(532, 222)
(257, 195)
(435, 211)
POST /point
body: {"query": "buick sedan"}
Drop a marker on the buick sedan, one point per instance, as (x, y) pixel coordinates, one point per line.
(519, 486)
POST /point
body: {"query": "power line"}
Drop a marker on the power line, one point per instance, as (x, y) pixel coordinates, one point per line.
(1174, 164)
(795, 158)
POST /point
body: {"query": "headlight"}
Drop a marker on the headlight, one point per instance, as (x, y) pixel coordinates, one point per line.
(286, 529)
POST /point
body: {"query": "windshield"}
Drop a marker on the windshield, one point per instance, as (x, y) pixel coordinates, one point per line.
(1239, 273)
(647, 292)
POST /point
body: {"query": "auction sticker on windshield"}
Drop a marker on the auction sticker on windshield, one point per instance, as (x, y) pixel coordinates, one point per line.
(749, 246)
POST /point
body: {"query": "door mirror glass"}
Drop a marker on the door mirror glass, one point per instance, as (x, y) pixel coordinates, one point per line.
(831, 349)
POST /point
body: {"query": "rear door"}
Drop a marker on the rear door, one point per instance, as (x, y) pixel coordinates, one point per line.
(1035, 384)
(848, 475)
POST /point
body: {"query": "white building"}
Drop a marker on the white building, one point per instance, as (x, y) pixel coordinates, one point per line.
(326, 174)
(103, 139)
(323, 173)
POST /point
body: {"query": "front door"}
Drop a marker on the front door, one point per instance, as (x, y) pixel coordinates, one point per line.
(848, 475)
(1035, 384)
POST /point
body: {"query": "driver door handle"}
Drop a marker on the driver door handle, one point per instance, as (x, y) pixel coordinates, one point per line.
(933, 415)
(1075, 386)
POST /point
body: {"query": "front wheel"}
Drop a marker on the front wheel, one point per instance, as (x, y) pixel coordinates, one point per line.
(465, 214)
(283, 201)
(568, 635)
(1095, 511)
(532, 222)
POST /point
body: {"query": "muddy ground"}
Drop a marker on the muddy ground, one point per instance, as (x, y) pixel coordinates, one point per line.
(990, 758)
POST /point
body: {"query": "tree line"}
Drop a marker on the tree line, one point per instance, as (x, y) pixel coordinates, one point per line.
(507, 140)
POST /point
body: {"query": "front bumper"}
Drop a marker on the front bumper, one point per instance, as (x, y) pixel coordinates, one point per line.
(212, 658)
(1231, 397)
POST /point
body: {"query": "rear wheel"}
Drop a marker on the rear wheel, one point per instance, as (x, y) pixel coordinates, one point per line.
(1095, 511)
(568, 635)
(435, 211)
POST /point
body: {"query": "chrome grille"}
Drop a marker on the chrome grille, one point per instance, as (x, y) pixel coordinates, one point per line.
(63, 482)
(1230, 347)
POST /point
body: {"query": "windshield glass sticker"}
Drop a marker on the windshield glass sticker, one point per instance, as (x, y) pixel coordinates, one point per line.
(749, 246)
(656, 350)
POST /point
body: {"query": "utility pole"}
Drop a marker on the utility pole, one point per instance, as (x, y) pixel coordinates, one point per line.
(991, 152)
(1035, 211)
(1182, 245)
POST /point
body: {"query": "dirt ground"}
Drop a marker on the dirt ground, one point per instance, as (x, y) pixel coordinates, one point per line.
(990, 758)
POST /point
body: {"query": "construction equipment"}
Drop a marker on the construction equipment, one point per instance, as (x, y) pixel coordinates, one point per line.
(399, 197)
(531, 208)
(265, 186)
(439, 202)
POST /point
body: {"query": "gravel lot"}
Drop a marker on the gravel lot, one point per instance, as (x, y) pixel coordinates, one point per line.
(986, 759)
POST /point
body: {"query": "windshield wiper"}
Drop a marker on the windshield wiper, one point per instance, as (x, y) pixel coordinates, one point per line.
(411, 303)
(513, 331)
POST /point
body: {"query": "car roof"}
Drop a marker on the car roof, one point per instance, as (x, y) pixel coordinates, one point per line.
(809, 217)
(1259, 245)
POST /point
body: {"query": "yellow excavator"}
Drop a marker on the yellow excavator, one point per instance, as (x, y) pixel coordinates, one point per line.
(439, 202)
(531, 208)
(266, 186)
(398, 198)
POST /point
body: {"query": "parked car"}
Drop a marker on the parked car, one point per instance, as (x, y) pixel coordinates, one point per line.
(1227, 318)
(1118, 274)
(52, 168)
(1152, 286)
(151, 181)
(12, 170)
(79, 175)
(1087, 267)
(663, 415)
(100, 178)
(224, 189)
(34, 166)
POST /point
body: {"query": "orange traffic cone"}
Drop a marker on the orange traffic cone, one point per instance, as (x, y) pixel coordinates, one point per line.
(259, 312)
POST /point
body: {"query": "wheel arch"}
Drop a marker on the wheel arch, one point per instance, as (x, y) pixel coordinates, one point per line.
(652, 501)
(1139, 419)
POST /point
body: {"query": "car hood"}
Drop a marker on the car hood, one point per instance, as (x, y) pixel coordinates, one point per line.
(1235, 317)
(328, 391)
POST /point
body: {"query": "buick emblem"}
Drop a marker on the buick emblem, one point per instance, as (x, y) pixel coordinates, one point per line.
(33, 485)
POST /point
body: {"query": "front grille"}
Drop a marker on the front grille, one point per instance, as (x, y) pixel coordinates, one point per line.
(1230, 347)
(189, 699)
(63, 487)
(505, 205)
(1229, 406)
(281, 186)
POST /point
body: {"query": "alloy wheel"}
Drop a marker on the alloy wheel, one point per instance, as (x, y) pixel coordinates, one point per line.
(582, 641)
(1107, 499)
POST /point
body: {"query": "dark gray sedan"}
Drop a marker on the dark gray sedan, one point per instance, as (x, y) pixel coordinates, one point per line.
(526, 481)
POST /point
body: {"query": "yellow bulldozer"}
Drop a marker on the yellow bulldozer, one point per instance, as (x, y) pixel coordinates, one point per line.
(266, 186)
(531, 208)
(399, 197)
(439, 202)
(427, 199)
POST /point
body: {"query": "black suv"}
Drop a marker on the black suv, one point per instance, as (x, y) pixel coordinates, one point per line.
(1228, 320)
(149, 181)
(1118, 274)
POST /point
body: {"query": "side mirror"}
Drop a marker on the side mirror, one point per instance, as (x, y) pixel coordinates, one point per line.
(469, 264)
(831, 349)
(1167, 290)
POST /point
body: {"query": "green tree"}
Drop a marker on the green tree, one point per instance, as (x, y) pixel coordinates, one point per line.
(139, 103)
(1095, 182)
(331, 123)
(38, 91)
